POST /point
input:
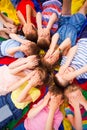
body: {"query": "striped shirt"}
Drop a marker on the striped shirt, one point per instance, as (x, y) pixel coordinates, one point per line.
(69, 111)
(50, 7)
(80, 58)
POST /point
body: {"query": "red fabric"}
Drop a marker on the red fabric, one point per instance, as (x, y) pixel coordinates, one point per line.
(83, 85)
(6, 60)
(22, 7)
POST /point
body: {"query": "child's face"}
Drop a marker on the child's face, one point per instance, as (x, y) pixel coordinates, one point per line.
(72, 94)
(55, 101)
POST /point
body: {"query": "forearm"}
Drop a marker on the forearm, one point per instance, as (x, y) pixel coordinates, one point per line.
(2, 19)
(16, 37)
(18, 69)
(77, 119)
(7, 19)
(35, 110)
(28, 13)
(52, 20)
(54, 41)
(24, 92)
(18, 84)
(12, 51)
(21, 17)
(70, 55)
(81, 71)
(49, 123)
(39, 20)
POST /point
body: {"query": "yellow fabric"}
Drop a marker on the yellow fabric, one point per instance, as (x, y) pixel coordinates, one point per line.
(34, 94)
(7, 7)
(76, 5)
(66, 123)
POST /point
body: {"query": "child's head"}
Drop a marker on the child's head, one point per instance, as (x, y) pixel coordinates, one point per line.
(42, 75)
(71, 90)
(31, 49)
(57, 94)
(43, 42)
(61, 81)
(56, 90)
(46, 63)
(31, 34)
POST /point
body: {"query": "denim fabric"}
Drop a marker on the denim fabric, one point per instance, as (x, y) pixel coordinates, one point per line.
(6, 100)
(66, 31)
(20, 127)
(15, 2)
(69, 26)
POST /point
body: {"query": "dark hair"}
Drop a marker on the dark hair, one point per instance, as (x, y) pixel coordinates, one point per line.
(43, 43)
(56, 90)
(46, 64)
(34, 49)
(32, 36)
(57, 82)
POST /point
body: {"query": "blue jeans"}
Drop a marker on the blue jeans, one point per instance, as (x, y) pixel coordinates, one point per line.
(16, 113)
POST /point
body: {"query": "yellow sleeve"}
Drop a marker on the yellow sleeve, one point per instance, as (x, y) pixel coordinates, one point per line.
(34, 93)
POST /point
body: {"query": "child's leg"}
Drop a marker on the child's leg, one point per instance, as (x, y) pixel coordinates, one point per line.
(83, 9)
(66, 8)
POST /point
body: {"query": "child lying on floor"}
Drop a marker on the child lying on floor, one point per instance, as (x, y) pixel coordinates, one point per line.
(48, 109)
(76, 112)
(18, 47)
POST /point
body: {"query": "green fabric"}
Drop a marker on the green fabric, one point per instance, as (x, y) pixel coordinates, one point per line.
(84, 92)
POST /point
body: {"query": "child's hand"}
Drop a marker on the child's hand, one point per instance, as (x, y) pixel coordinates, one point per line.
(68, 76)
(55, 102)
(9, 25)
(46, 99)
(74, 100)
(62, 69)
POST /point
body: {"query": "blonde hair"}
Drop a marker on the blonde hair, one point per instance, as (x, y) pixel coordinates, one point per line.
(72, 87)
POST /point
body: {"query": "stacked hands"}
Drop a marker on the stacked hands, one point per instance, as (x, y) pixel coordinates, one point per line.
(66, 73)
(44, 32)
(27, 28)
(76, 99)
(52, 101)
(29, 62)
(52, 55)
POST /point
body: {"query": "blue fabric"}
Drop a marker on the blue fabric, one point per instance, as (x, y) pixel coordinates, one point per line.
(37, 6)
(10, 43)
(67, 31)
(6, 100)
(61, 127)
(15, 2)
(69, 26)
(83, 31)
(20, 127)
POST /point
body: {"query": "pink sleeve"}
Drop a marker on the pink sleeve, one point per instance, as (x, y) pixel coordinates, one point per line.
(57, 120)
